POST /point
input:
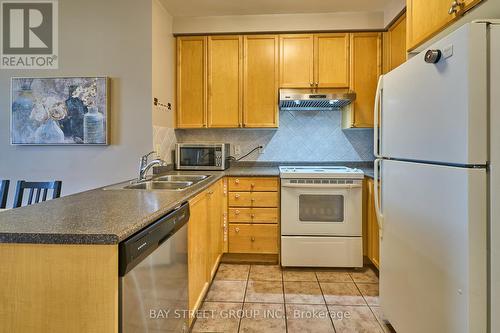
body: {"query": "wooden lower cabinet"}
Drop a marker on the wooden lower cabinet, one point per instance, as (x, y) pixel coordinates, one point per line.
(205, 241)
(58, 288)
(253, 199)
(250, 215)
(371, 232)
(253, 238)
(256, 184)
(253, 215)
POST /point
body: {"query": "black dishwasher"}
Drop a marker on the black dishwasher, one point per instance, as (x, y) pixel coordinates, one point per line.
(154, 276)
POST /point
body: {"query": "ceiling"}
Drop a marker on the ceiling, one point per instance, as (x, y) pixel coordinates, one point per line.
(257, 7)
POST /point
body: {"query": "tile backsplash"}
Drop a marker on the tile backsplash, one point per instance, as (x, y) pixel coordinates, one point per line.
(301, 136)
(164, 138)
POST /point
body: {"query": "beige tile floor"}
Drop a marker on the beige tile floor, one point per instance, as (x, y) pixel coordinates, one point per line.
(264, 298)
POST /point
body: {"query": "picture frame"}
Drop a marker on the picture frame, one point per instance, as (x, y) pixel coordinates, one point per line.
(60, 111)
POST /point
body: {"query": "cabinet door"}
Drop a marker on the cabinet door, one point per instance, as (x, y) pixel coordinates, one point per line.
(365, 69)
(296, 61)
(373, 243)
(215, 211)
(191, 82)
(197, 249)
(260, 81)
(395, 45)
(225, 79)
(331, 60)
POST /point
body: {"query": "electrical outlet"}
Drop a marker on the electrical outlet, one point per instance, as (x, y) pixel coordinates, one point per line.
(237, 150)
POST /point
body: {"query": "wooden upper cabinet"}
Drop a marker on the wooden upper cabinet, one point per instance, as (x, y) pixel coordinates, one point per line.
(260, 81)
(319, 60)
(331, 60)
(427, 18)
(395, 45)
(191, 82)
(296, 61)
(365, 69)
(225, 78)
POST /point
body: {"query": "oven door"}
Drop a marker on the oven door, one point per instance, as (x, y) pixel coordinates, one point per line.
(321, 207)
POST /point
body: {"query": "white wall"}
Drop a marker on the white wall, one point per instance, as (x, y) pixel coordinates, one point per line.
(279, 22)
(96, 37)
(163, 80)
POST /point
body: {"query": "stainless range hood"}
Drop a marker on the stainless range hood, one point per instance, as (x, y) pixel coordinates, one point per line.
(316, 99)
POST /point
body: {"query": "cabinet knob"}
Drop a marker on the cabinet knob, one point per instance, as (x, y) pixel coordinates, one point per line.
(252, 199)
(311, 84)
(236, 196)
(456, 6)
(252, 215)
(237, 229)
(237, 212)
(237, 181)
(252, 239)
(210, 192)
(252, 185)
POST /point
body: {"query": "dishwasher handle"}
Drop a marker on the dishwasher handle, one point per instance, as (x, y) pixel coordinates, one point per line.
(137, 247)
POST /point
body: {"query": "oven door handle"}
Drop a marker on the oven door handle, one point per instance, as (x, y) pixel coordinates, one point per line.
(318, 186)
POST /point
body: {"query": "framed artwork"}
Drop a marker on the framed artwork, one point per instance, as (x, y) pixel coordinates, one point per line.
(59, 111)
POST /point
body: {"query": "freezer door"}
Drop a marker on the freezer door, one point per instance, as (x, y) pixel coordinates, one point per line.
(433, 273)
(438, 112)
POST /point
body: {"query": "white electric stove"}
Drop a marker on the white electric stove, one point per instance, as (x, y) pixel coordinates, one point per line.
(321, 216)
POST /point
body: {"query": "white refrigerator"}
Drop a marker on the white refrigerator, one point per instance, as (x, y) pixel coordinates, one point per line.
(437, 145)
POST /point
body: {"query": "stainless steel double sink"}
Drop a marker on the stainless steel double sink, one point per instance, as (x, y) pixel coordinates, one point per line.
(166, 183)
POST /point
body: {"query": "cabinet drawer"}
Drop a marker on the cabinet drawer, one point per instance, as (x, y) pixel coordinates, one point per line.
(253, 238)
(253, 184)
(253, 215)
(253, 199)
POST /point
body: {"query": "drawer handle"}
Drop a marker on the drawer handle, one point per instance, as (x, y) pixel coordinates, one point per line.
(236, 196)
(237, 230)
(252, 239)
(237, 212)
(237, 181)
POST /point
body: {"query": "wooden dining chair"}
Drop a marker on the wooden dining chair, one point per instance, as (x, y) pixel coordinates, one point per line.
(4, 191)
(38, 191)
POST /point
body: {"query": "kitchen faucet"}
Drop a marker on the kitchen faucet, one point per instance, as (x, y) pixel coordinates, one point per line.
(145, 166)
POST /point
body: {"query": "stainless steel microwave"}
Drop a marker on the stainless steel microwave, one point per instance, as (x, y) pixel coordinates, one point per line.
(202, 156)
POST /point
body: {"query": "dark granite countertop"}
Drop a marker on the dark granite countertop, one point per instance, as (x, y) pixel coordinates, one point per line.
(109, 216)
(93, 217)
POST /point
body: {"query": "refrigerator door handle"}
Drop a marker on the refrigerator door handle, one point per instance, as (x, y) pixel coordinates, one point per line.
(378, 211)
(376, 115)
